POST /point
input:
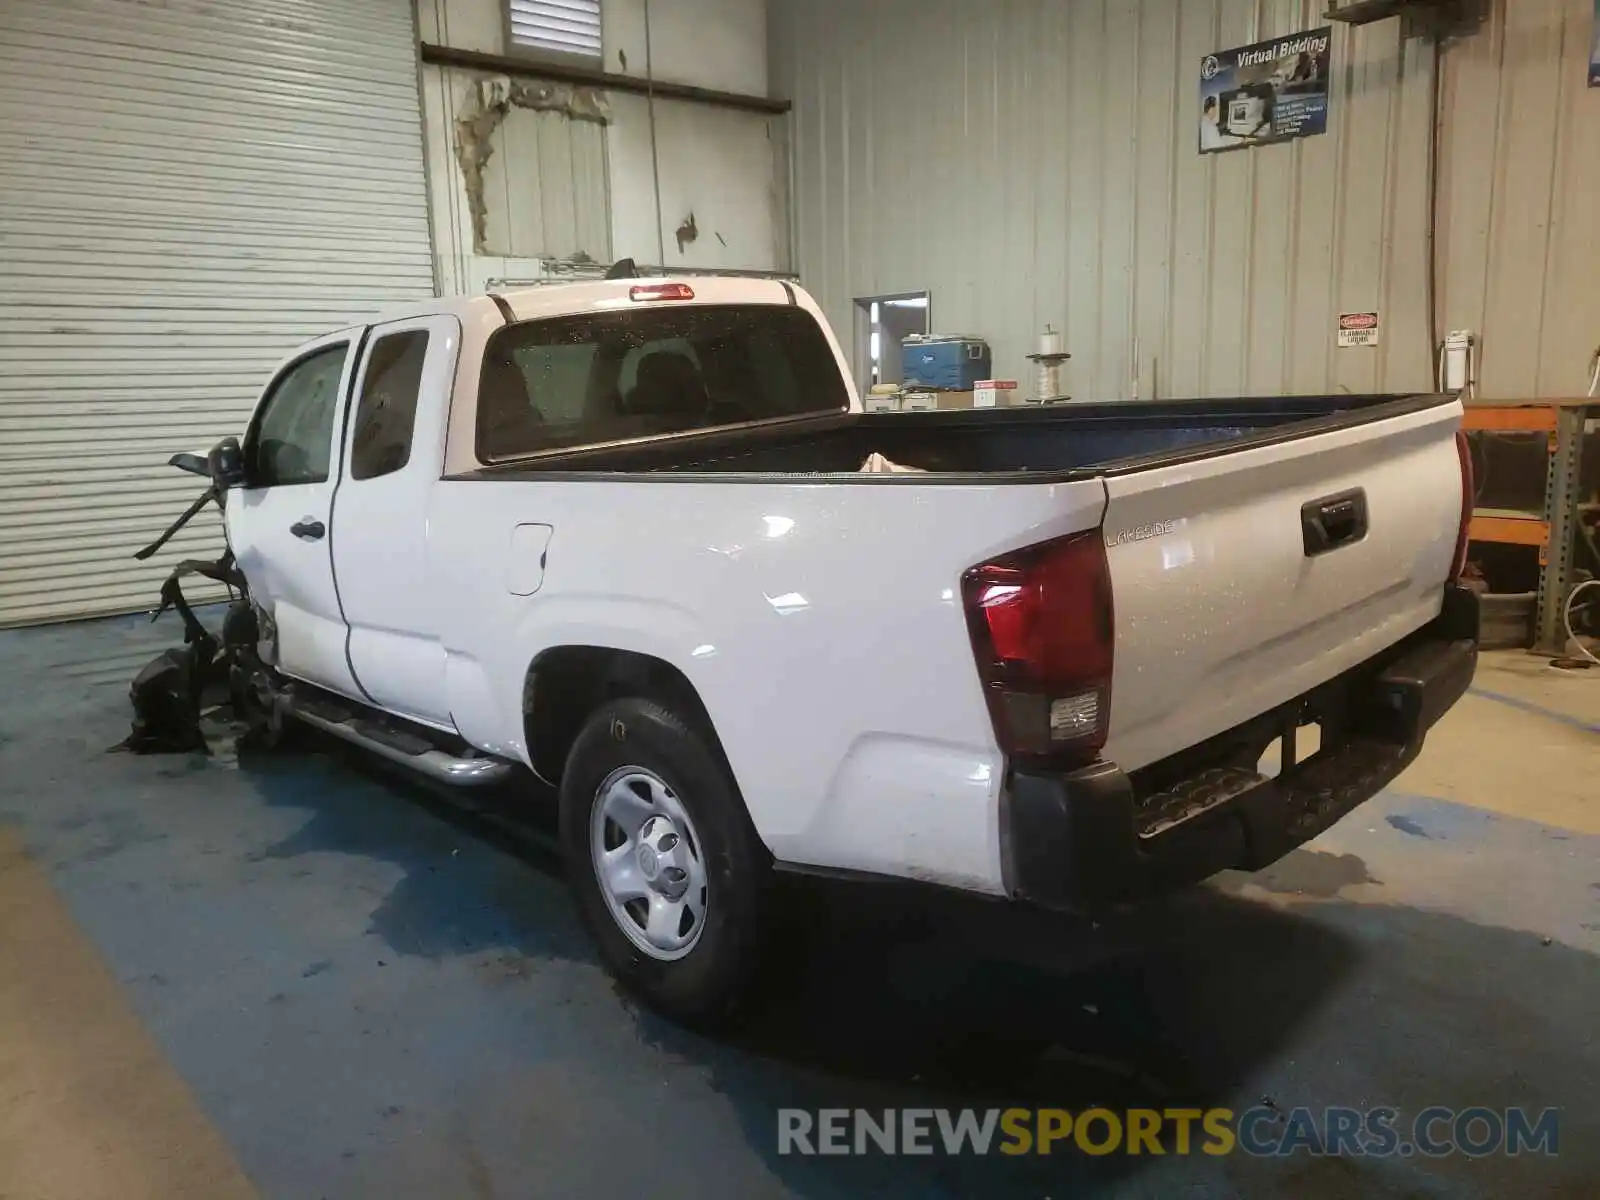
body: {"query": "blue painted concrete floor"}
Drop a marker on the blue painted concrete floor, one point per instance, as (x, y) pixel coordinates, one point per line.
(369, 992)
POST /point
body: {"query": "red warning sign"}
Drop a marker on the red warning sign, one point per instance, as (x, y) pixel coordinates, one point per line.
(1358, 329)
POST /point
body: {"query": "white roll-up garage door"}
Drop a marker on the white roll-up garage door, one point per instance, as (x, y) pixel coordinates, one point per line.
(187, 189)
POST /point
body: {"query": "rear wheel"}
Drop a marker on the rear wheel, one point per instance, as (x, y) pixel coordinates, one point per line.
(649, 861)
(670, 876)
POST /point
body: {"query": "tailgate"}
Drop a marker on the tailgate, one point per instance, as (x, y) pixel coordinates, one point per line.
(1227, 607)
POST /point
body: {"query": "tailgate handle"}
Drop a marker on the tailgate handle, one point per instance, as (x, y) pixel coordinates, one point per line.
(1334, 521)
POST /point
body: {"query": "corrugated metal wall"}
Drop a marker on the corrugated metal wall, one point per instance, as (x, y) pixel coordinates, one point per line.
(187, 190)
(1519, 198)
(1035, 161)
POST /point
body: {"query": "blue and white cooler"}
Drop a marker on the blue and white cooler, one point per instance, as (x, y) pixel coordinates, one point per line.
(945, 362)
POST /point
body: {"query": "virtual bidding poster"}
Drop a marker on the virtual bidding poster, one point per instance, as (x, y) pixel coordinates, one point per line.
(1268, 92)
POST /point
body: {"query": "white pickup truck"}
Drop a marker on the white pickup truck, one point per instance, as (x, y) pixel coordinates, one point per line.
(619, 533)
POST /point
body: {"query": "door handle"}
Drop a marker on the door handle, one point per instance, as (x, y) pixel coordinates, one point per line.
(1333, 521)
(309, 529)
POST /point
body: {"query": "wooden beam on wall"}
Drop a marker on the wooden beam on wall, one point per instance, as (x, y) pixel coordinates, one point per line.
(528, 68)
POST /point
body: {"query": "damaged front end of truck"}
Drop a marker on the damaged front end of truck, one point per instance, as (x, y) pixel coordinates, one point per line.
(211, 671)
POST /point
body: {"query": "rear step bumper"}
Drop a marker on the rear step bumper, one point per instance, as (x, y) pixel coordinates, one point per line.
(1082, 840)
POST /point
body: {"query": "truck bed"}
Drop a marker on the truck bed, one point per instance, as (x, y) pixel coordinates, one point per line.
(1031, 444)
(1257, 548)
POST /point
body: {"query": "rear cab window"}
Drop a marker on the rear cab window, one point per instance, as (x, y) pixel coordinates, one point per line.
(386, 415)
(642, 372)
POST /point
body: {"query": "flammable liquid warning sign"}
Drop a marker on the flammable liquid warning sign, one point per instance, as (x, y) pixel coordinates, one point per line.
(1358, 329)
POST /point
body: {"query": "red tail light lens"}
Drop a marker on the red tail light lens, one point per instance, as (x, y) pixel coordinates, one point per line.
(662, 291)
(1043, 632)
(1469, 488)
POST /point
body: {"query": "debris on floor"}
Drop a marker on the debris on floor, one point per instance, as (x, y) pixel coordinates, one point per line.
(877, 464)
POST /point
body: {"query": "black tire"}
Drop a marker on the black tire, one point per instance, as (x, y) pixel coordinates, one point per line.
(705, 987)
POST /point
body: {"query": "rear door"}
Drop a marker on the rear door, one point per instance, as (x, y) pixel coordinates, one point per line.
(1244, 579)
(278, 523)
(392, 459)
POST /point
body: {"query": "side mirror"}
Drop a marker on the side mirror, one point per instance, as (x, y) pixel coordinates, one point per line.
(225, 463)
(195, 464)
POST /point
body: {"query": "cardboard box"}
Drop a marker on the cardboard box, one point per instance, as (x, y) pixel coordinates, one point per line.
(994, 393)
(881, 402)
(926, 400)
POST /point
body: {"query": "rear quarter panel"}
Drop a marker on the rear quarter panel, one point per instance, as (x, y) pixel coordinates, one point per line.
(820, 623)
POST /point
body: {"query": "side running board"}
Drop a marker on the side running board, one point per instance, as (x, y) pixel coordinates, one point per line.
(397, 745)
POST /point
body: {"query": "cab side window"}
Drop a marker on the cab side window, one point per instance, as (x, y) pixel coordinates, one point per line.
(386, 416)
(292, 441)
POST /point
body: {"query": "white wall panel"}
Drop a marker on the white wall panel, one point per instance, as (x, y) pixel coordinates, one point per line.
(1035, 161)
(1520, 197)
(557, 185)
(545, 187)
(718, 44)
(715, 163)
(187, 190)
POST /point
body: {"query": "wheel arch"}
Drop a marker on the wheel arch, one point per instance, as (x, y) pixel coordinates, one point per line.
(564, 685)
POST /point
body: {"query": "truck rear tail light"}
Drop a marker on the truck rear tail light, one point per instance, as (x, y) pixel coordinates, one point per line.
(1469, 488)
(662, 291)
(1042, 632)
